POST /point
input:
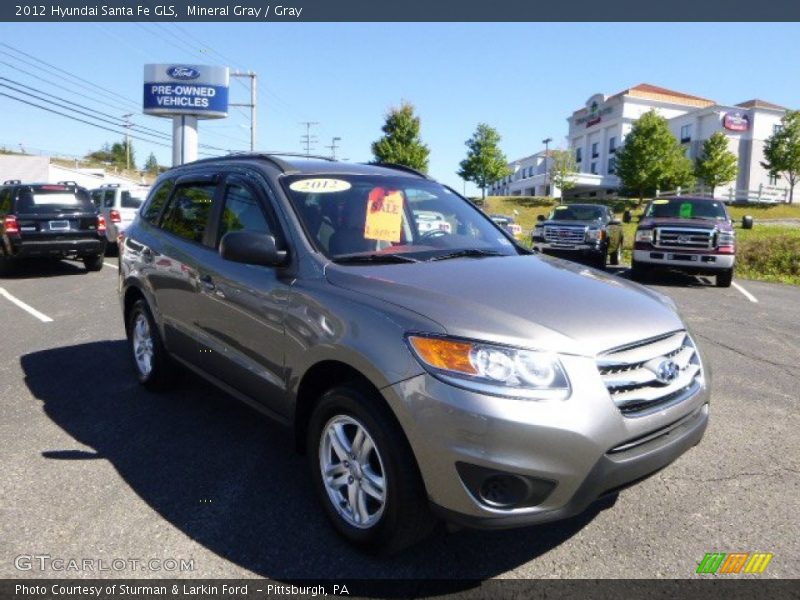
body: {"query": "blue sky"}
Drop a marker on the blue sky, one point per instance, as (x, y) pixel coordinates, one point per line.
(522, 78)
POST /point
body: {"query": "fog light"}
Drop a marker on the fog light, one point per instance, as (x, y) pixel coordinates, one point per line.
(503, 491)
(500, 490)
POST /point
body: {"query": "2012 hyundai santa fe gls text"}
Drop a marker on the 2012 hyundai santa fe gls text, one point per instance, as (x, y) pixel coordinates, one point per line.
(448, 373)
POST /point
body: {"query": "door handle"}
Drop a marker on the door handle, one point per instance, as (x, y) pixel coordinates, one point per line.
(208, 282)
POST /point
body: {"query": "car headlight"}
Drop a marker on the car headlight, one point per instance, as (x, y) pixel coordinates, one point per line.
(595, 235)
(644, 235)
(492, 369)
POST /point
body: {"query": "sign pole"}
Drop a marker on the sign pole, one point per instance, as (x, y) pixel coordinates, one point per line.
(184, 139)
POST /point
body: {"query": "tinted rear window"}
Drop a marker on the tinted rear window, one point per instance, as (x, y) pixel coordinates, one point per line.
(54, 198)
(131, 200)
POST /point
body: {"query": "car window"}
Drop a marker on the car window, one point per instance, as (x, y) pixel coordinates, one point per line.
(108, 198)
(242, 211)
(577, 213)
(188, 211)
(157, 200)
(5, 200)
(686, 208)
(97, 198)
(129, 200)
(353, 214)
(54, 198)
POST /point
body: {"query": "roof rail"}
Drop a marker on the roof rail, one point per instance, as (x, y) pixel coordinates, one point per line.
(273, 157)
(404, 168)
(68, 183)
(109, 185)
(12, 182)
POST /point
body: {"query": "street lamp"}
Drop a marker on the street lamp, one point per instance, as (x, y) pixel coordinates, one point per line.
(546, 142)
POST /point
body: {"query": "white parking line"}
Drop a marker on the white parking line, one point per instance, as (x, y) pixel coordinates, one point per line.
(745, 293)
(29, 309)
(112, 265)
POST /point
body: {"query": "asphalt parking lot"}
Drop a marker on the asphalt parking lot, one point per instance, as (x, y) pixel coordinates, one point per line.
(96, 468)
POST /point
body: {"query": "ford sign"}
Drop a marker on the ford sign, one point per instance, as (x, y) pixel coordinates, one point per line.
(183, 73)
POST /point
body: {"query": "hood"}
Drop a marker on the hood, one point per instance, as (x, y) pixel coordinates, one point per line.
(649, 223)
(528, 301)
(572, 222)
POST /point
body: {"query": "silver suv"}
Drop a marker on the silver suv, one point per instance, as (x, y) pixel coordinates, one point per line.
(425, 372)
(119, 206)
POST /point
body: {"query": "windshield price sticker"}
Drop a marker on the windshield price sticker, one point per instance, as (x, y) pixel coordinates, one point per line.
(686, 210)
(660, 201)
(320, 186)
(384, 216)
(562, 207)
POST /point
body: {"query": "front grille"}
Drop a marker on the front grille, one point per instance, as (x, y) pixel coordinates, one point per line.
(698, 239)
(564, 235)
(630, 373)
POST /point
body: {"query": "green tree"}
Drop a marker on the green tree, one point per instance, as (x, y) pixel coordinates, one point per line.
(116, 154)
(151, 164)
(401, 143)
(652, 158)
(563, 170)
(716, 165)
(782, 150)
(485, 163)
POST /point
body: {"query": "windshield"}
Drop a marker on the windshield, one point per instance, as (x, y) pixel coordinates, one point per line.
(576, 213)
(347, 215)
(686, 208)
(54, 198)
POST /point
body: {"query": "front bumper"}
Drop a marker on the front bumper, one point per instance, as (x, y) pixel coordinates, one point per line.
(679, 259)
(69, 247)
(585, 250)
(570, 443)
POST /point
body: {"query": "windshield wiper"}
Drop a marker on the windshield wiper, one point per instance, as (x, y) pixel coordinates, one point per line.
(476, 252)
(354, 259)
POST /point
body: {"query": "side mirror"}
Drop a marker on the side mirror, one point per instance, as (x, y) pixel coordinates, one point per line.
(251, 249)
(540, 218)
(627, 216)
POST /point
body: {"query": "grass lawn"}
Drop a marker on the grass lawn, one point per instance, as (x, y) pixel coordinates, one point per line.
(766, 252)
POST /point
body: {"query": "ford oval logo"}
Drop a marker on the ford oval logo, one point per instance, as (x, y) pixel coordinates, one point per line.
(183, 73)
(667, 371)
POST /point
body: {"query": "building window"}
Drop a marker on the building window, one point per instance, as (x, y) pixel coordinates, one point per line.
(773, 179)
(594, 150)
(777, 128)
(578, 154)
(686, 133)
(593, 170)
(612, 145)
(612, 165)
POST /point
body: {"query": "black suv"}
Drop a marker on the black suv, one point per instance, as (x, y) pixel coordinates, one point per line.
(585, 231)
(44, 220)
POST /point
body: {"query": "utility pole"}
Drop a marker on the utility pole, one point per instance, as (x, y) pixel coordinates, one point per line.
(333, 146)
(128, 126)
(252, 105)
(307, 140)
(546, 142)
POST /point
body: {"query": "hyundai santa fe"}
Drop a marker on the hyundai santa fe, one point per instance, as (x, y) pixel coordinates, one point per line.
(427, 374)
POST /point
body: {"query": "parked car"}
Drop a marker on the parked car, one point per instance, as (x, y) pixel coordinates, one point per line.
(119, 206)
(424, 373)
(580, 231)
(43, 220)
(693, 235)
(509, 224)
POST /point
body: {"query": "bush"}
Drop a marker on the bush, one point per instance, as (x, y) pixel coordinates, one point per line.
(774, 257)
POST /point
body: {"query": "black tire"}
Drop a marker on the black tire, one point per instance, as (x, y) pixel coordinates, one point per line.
(725, 278)
(616, 257)
(599, 261)
(7, 265)
(640, 272)
(111, 249)
(160, 375)
(406, 517)
(93, 263)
